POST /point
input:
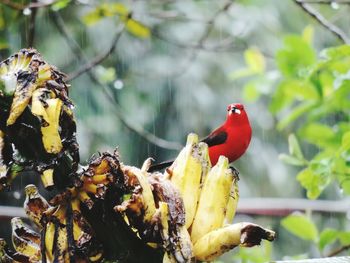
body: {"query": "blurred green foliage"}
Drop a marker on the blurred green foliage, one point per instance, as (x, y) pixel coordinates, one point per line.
(174, 69)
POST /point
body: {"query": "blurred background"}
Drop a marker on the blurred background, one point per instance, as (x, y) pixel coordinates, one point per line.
(144, 74)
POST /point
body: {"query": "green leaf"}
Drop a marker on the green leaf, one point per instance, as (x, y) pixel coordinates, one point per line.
(250, 91)
(105, 75)
(2, 20)
(301, 226)
(292, 160)
(137, 28)
(255, 60)
(295, 57)
(298, 111)
(241, 73)
(58, 5)
(344, 238)
(106, 10)
(327, 237)
(294, 147)
(92, 17)
(313, 182)
(318, 134)
(345, 143)
(336, 52)
(308, 34)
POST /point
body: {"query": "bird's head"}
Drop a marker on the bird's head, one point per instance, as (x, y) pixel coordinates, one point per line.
(236, 114)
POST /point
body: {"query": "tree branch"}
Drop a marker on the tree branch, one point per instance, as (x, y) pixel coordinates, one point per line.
(33, 5)
(326, 2)
(99, 58)
(200, 43)
(59, 23)
(338, 251)
(31, 27)
(323, 21)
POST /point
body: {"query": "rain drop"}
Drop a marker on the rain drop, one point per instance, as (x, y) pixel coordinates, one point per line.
(27, 11)
(335, 5)
(118, 84)
(17, 195)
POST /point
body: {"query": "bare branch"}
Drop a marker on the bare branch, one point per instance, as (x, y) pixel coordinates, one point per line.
(225, 45)
(338, 251)
(31, 26)
(12, 4)
(74, 46)
(323, 21)
(33, 5)
(326, 2)
(99, 58)
(150, 137)
(200, 43)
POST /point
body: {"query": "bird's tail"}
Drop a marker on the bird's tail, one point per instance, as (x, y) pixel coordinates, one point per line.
(160, 166)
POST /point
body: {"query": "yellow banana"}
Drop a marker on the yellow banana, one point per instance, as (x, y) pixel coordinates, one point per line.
(186, 173)
(47, 178)
(25, 241)
(34, 204)
(178, 244)
(232, 201)
(141, 201)
(219, 241)
(50, 132)
(8, 256)
(56, 241)
(10, 67)
(213, 200)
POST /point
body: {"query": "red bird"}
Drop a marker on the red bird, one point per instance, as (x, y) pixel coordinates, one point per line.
(231, 139)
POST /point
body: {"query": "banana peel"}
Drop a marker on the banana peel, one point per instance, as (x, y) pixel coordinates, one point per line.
(25, 241)
(213, 201)
(217, 242)
(50, 132)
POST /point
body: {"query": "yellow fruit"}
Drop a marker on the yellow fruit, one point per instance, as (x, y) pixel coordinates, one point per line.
(186, 174)
(217, 242)
(232, 202)
(25, 241)
(213, 200)
(47, 178)
(50, 133)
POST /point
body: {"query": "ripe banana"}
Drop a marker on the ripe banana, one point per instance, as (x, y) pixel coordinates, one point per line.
(232, 201)
(25, 241)
(219, 241)
(8, 256)
(187, 172)
(141, 202)
(178, 245)
(213, 201)
(35, 205)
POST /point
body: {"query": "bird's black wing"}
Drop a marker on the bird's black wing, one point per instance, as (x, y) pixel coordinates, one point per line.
(160, 166)
(215, 138)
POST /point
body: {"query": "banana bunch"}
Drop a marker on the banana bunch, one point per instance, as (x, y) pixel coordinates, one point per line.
(154, 209)
(34, 101)
(210, 197)
(65, 235)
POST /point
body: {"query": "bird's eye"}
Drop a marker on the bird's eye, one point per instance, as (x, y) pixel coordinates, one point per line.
(236, 110)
